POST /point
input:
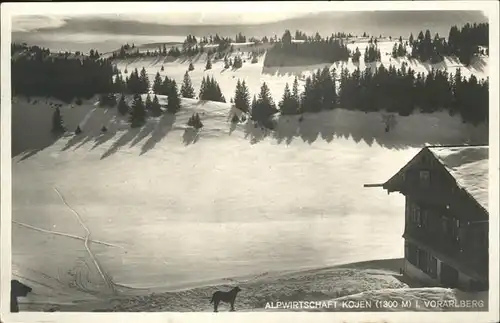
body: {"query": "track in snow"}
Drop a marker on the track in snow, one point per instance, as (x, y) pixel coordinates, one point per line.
(65, 234)
(104, 276)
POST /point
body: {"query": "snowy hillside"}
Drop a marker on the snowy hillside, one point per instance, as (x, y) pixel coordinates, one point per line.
(150, 199)
(276, 77)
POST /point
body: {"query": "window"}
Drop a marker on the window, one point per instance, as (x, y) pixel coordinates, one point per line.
(425, 178)
(417, 216)
(424, 219)
(456, 229)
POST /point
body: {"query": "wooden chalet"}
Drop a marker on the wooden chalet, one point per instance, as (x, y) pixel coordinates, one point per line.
(446, 216)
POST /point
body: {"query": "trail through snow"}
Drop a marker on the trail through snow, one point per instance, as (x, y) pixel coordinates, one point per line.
(65, 234)
(104, 276)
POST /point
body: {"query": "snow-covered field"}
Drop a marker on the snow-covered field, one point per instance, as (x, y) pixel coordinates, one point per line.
(168, 209)
(163, 209)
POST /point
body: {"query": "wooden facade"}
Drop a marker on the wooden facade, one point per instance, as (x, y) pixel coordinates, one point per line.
(446, 229)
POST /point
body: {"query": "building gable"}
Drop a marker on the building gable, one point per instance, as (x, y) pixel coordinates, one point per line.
(457, 174)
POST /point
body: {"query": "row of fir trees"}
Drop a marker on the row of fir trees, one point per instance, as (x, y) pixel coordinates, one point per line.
(393, 90)
(38, 72)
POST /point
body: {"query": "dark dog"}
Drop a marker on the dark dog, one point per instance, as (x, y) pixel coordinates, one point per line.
(17, 289)
(226, 297)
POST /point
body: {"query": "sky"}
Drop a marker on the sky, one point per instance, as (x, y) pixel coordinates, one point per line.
(202, 13)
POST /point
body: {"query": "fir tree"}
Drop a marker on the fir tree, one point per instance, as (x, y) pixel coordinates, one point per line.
(237, 63)
(356, 55)
(138, 112)
(187, 90)
(123, 107)
(157, 83)
(155, 107)
(242, 97)
(208, 66)
(191, 67)
(165, 86)
(149, 103)
(104, 129)
(78, 130)
(143, 81)
(195, 121)
(57, 122)
(265, 106)
(174, 102)
(295, 95)
(327, 89)
(286, 105)
(254, 103)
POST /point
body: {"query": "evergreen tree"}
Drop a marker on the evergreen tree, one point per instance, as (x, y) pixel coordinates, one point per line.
(134, 83)
(286, 105)
(195, 121)
(155, 107)
(57, 122)
(237, 63)
(327, 88)
(265, 106)
(174, 102)
(242, 97)
(149, 103)
(165, 86)
(296, 95)
(356, 56)
(254, 103)
(143, 81)
(187, 90)
(210, 90)
(123, 107)
(208, 66)
(157, 83)
(191, 67)
(138, 112)
(394, 53)
(78, 130)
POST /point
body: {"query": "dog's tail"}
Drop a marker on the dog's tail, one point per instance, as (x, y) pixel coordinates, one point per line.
(212, 299)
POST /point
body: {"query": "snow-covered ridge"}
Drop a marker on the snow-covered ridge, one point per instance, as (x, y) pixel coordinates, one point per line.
(276, 77)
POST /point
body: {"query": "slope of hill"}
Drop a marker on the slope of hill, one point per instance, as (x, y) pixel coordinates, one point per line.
(151, 198)
(277, 76)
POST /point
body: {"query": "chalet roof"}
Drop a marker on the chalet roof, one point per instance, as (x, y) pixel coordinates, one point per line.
(469, 166)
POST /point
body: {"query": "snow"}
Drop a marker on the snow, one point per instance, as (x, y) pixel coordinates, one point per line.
(171, 209)
(166, 209)
(469, 167)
